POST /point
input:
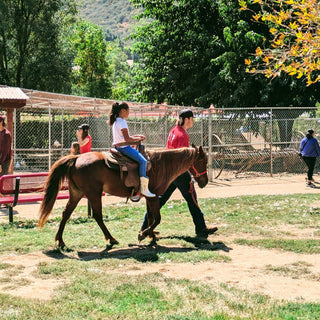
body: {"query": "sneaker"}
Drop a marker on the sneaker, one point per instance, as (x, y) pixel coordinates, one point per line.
(205, 232)
(311, 185)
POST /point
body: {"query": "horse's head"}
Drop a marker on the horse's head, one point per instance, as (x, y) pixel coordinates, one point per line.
(199, 168)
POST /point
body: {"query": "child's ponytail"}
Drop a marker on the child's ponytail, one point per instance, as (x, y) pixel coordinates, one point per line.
(114, 113)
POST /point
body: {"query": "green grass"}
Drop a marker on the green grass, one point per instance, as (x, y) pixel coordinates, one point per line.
(106, 295)
(95, 287)
(297, 270)
(299, 246)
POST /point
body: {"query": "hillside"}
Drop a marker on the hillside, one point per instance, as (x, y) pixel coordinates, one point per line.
(116, 17)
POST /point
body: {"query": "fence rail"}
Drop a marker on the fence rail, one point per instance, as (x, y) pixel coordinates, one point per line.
(239, 142)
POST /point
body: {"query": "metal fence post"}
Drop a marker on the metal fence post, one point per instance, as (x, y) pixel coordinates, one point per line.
(62, 130)
(14, 137)
(271, 138)
(210, 146)
(49, 138)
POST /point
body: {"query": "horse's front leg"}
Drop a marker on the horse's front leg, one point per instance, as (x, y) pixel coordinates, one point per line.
(154, 218)
(96, 206)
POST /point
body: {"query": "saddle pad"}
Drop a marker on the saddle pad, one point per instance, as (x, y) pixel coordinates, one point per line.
(112, 162)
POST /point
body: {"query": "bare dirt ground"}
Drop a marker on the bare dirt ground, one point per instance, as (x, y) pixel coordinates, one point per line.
(297, 277)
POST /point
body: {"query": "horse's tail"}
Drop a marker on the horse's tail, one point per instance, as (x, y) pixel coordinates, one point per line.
(59, 171)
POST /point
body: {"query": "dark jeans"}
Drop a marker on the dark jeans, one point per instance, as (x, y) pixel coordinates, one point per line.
(310, 162)
(185, 185)
(5, 168)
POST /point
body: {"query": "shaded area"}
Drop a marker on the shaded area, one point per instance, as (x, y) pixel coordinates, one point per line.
(141, 253)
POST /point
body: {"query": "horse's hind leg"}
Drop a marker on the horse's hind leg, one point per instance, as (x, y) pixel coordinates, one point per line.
(70, 206)
(96, 206)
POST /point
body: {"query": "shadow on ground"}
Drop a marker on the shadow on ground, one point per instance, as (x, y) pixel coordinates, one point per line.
(141, 253)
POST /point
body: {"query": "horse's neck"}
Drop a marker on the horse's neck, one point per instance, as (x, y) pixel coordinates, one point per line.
(184, 161)
(175, 162)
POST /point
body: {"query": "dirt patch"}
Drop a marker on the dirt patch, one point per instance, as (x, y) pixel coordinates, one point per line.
(21, 279)
(249, 269)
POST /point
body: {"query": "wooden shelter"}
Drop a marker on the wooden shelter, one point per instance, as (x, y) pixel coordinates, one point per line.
(11, 98)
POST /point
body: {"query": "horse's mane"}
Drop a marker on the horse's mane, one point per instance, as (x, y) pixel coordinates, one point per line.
(167, 162)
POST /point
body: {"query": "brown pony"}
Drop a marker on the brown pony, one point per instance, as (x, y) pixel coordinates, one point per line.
(88, 175)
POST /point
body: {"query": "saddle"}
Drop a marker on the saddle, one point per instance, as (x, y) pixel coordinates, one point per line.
(128, 168)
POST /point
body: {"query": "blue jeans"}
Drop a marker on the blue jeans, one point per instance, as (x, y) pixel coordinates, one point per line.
(186, 187)
(136, 156)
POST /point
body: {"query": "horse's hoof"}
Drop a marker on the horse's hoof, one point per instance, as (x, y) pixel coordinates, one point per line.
(61, 245)
(153, 243)
(154, 238)
(109, 247)
(141, 236)
(114, 241)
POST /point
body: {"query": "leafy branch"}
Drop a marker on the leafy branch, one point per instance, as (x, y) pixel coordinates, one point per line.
(294, 47)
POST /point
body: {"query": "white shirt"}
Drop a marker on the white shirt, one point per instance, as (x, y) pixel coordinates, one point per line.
(117, 126)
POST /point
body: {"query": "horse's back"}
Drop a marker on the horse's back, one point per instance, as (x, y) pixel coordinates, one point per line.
(88, 158)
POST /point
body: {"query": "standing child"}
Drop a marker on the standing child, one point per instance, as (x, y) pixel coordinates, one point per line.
(121, 138)
(75, 148)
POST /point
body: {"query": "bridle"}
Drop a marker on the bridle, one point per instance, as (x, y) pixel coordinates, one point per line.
(196, 174)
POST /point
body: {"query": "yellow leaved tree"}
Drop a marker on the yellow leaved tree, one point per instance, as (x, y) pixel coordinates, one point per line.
(294, 47)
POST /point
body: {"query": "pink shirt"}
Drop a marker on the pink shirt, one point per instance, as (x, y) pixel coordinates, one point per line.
(87, 147)
(177, 138)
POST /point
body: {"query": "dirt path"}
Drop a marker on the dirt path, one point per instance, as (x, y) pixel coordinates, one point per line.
(279, 274)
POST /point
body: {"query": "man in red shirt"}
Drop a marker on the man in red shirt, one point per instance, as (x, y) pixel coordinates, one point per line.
(5, 147)
(178, 138)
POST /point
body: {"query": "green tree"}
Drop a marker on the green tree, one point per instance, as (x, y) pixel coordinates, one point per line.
(193, 53)
(241, 89)
(231, 85)
(91, 69)
(32, 51)
(295, 29)
(120, 71)
(175, 50)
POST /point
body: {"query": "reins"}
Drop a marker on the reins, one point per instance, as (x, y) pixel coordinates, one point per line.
(196, 174)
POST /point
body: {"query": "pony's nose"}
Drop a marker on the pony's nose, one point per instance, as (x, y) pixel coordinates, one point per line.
(203, 182)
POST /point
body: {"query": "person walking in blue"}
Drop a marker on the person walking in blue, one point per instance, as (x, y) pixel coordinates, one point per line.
(310, 151)
(179, 138)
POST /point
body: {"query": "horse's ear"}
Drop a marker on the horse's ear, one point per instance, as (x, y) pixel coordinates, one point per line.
(200, 150)
(193, 145)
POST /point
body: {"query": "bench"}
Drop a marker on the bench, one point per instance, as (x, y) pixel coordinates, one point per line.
(25, 188)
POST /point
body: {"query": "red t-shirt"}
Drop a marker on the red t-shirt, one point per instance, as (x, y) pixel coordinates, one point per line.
(5, 146)
(177, 138)
(87, 147)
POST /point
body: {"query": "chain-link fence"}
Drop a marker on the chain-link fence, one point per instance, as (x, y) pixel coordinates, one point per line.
(239, 142)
